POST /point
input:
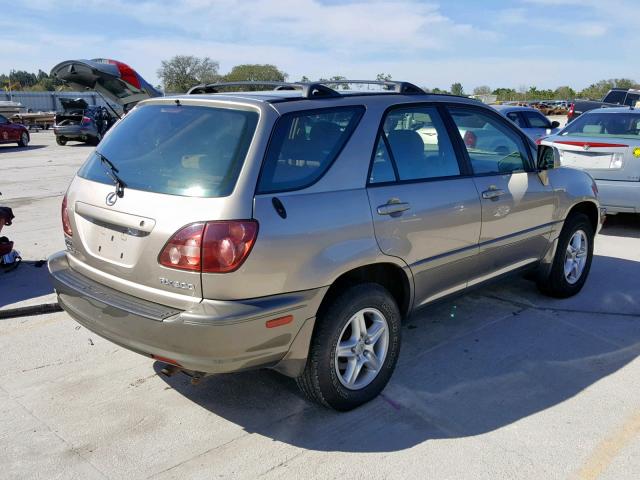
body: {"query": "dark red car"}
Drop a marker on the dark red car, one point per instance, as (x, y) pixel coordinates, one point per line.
(13, 132)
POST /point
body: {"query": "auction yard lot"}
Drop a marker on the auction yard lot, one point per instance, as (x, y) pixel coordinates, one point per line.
(502, 383)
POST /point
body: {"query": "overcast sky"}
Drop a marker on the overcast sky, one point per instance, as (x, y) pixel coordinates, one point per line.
(546, 43)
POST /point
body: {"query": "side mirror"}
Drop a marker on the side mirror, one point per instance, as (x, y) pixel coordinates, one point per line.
(555, 124)
(546, 157)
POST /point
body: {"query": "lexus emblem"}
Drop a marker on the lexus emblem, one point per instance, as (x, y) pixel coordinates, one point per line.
(586, 146)
(111, 199)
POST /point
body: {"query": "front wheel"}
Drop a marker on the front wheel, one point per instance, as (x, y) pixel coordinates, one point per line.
(24, 140)
(572, 260)
(354, 349)
(61, 141)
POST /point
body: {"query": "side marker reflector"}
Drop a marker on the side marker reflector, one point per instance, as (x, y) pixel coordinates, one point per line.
(278, 322)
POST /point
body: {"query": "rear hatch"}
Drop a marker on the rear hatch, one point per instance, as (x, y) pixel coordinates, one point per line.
(111, 78)
(179, 165)
(606, 144)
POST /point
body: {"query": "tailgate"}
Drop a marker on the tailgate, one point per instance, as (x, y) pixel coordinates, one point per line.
(603, 161)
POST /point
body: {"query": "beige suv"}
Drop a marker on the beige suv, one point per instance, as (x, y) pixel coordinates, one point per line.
(294, 228)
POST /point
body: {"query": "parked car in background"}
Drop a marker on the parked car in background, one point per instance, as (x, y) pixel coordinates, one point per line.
(615, 98)
(530, 120)
(11, 132)
(81, 122)
(295, 228)
(606, 144)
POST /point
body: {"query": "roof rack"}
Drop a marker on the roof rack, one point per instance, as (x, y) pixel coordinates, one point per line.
(318, 89)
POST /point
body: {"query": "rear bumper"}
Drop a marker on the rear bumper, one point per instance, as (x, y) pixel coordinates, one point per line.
(210, 337)
(619, 196)
(75, 131)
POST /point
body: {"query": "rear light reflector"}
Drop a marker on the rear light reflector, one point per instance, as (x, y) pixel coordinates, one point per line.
(85, 121)
(66, 223)
(212, 247)
(278, 322)
(572, 110)
(165, 360)
(539, 140)
(470, 139)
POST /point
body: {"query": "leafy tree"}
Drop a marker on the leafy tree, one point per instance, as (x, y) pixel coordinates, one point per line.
(255, 73)
(564, 93)
(482, 90)
(505, 94)
(383, 77)
(436, 90)
(456, 89)
(305, 79)
(182, 72)
(598, 90)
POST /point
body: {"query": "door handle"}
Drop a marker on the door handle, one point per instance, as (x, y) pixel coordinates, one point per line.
(493, 194)
(391, 208)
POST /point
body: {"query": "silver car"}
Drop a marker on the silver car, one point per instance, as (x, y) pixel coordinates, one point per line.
(530, 120)
(606, 144)
(296, 228)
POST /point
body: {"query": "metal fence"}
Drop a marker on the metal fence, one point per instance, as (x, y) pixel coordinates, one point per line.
(50, 101)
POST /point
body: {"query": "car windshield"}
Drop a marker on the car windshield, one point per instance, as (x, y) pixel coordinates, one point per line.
(606, 125)
(176, 149)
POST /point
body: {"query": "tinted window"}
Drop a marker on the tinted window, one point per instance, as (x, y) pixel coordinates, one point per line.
(178, 150)
(515, 118)
(3, 119)
(537, 120)
(493, 147)
(304, 145)
(382, 168)
(631, 99)
(420, 146)
(599, 124)
(615, 96)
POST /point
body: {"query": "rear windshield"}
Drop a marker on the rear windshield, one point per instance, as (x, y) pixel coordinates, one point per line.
(176, 149)
(606, 125)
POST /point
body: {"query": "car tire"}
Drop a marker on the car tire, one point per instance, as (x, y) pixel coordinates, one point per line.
(346, 379)
(61, 141)
(572, 261)
(96, 140)
(24, 139)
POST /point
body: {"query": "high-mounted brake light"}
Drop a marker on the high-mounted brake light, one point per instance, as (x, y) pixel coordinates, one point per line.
(212, 247)
(66, 223)
(470, 139)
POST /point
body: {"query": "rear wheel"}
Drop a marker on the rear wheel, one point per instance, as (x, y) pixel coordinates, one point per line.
(61, 141)
(24, 140)
(572, 261)
(96, 140)
(354, 348)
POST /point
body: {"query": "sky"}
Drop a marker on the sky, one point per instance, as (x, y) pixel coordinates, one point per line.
(546, 43)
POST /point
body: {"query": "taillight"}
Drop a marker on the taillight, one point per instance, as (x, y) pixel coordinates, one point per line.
(572, 110)
(212, 247)
(66, 224)
(85, 121)
(539, 140)
(470, 139)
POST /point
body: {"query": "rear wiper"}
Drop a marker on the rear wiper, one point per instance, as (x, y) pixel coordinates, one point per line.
(112, 171)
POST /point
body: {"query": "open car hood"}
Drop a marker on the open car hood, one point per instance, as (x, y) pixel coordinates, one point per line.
(115, 80)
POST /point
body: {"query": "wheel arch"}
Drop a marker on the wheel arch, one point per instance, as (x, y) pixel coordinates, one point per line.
(588, 208)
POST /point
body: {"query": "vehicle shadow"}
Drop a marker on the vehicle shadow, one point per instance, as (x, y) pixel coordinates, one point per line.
(12, 148)
(27, 281)
(622, 225)
(468, 366)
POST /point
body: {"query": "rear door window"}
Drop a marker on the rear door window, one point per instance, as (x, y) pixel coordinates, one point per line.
(304, 145)
(493, 146)
(515, 118)
(176, 149)
(537, 120)
(413, 145)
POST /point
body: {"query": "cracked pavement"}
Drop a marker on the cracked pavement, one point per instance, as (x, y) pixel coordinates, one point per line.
(502, 383)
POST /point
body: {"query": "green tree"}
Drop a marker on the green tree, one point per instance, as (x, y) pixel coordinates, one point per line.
(255, 73)
(305, 79)
(505, 94)
(182, 72)
(564, 93)
(383, 77)
(598, 90)
(482, 90)
(456, 89)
